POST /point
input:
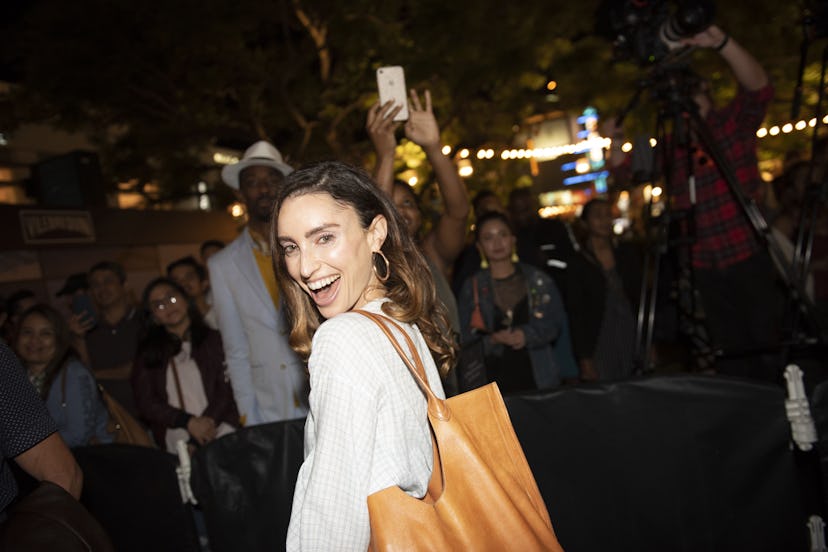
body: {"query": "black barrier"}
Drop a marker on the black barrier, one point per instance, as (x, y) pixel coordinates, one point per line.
(681, 463)
(676, 463)
(244, 483)
(133, 492)
(819, 411)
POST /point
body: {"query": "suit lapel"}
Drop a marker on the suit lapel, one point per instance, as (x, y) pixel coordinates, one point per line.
(246, 263)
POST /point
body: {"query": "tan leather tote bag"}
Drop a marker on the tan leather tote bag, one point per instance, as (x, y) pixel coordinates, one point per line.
(481, 496)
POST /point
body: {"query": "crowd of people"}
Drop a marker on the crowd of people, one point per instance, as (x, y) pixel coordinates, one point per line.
(251, 333)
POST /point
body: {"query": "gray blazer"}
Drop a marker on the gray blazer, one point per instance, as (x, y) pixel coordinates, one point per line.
(269, 382)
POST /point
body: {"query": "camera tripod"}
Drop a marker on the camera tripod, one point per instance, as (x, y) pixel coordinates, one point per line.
(670, 84)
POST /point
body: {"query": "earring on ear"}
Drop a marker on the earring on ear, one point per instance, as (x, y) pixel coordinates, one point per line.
(514, 257)
(387, 272)
(484, 262)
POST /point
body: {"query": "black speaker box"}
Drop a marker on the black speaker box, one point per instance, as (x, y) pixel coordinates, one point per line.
(70, 180)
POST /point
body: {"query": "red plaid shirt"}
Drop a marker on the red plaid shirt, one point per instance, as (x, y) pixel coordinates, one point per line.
(724, 235)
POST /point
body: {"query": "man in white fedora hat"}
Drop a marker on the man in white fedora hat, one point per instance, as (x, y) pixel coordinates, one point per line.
(268, 378)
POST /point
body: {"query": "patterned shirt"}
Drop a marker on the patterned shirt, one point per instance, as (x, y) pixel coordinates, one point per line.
(367, 430)
(24, 421)
(724, 235)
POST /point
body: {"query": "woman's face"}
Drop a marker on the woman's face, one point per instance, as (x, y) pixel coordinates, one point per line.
(168, 306)
(599, 221)
(406, 204)
(36, 341)
(496, 240)
(328, 252)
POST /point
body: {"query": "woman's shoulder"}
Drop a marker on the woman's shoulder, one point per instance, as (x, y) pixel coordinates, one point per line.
(76, 369)
(345, 328)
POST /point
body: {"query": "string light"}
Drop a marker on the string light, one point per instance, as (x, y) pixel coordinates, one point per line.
(550, 153)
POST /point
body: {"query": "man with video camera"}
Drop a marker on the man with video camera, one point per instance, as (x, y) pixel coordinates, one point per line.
(732, 269)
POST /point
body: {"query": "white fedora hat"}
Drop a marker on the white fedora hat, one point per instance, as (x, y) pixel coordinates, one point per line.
(260, 153)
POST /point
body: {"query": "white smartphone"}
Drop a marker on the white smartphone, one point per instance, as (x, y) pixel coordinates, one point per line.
(391, 85)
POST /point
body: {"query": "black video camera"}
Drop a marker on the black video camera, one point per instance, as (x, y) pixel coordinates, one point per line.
(645, 31)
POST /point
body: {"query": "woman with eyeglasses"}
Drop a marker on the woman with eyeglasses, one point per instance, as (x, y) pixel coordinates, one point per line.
(60, 378)
(179, 379)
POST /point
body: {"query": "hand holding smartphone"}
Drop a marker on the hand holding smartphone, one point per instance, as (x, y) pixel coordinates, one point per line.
(391, 86)
(83, 308)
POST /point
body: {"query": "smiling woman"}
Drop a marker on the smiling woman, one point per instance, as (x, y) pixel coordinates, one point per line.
(65, 384)
(339, 245)
(178, 379)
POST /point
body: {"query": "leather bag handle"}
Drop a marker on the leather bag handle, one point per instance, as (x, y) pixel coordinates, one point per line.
(436, 406)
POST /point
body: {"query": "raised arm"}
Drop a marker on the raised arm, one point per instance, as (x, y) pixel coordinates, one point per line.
(747, 70)
(448, 238)
(381, 128)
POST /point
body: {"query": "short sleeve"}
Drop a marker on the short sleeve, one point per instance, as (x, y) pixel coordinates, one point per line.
(24, 420)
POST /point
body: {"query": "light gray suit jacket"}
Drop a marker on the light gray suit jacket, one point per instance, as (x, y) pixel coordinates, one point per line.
(269, 381)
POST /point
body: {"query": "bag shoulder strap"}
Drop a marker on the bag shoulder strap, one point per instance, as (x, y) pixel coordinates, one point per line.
(63, 370)
(436, 406)
(177, 385)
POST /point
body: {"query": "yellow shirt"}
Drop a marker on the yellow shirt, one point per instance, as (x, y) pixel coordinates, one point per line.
(264, 260)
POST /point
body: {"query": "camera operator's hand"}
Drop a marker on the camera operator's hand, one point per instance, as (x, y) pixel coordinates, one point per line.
(711, 37)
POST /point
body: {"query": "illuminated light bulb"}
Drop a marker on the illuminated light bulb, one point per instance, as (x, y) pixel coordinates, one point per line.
(627, 147)
(224, 159)
(774, 130)
(825, 119)
(653, 142)
(481, 154)
(464, 153)
(656, 191)
(446, 150)
(551, 85)
(504, 154)
(582, 166)
(464, 168)
(800, 125)
(787, 128)
(762, 132)
(236, 210)
(413, 181)
(812, 122)
(647, 192)
(489, 153)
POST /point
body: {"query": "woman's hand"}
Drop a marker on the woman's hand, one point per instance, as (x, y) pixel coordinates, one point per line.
(202, 428)
(512, 337)
(381, 127)
(422, 128)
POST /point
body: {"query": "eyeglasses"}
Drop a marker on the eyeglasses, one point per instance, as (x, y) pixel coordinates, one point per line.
(164, 303)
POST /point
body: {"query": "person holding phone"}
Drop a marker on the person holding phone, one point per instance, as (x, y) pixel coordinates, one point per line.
(445, 241)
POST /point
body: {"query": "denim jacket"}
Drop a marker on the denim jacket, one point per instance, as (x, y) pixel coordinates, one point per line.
(547, 319)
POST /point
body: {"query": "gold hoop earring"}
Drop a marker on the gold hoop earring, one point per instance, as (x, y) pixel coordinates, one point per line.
(514, 257)
(484, 262)
(384, 277)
